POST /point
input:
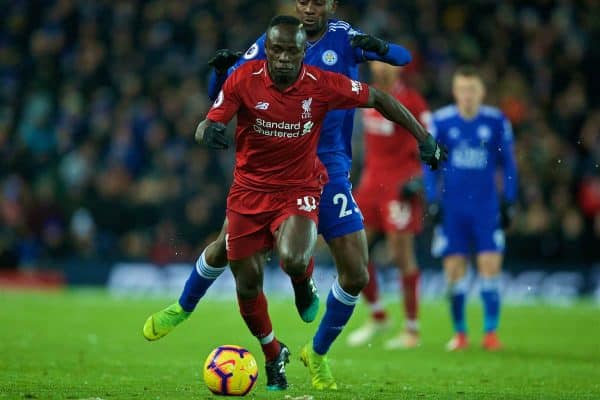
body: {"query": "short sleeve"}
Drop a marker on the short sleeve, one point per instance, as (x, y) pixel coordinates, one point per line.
(343, 92)
(227, 103)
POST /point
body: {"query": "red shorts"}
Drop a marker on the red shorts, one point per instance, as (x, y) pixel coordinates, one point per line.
(252, 231)
(384, 209)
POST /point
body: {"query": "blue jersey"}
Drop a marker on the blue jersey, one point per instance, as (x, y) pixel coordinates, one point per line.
(476, 149)
(332, 52)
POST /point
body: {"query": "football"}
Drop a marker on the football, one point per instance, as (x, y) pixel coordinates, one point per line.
(230, 370)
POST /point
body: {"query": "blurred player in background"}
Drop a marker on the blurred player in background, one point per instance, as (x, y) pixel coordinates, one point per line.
(390, 198)
(281, 105)
(332, 45)
(466, 200)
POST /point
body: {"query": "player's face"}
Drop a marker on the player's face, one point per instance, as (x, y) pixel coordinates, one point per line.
(314, 15)
(468, 92)
(384, 75)
(285, 51)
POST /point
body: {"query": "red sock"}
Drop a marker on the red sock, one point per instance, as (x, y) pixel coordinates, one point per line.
(256, 315)
(410, 286)
(371, 293)
(307, 274)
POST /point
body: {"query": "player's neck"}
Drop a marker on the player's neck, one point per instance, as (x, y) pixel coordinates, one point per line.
(468, 113)
(314, 36)
(282, 85)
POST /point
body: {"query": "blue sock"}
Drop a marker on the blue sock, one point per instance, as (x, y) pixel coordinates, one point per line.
(490, 296)
(200, 279)
(458, 295)
(340, 306)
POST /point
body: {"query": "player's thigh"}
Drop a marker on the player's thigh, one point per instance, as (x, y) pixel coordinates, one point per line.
(339, 214)
(295, 239)
(489, 263)
(351, 257)
(455, 266)
(247, 234)
(248, 273)
(216, 252)
(401, 248)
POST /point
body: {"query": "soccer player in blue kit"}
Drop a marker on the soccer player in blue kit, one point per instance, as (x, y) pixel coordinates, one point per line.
(471, 211)
(332, 45)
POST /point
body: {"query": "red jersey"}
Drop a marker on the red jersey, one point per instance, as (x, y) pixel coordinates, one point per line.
(392, 152)
(277, 132)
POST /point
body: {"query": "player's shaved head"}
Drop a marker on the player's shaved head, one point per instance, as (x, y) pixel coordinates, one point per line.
(285, 44)
(288, 26)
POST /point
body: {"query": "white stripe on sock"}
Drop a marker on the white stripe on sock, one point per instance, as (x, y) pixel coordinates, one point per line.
(267, 339)
(460, 286)
(492, 283)
(341, 295)
(412, 325)
(205, 270)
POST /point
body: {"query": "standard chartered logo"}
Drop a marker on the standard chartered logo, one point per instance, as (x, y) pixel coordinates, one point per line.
(282, 129)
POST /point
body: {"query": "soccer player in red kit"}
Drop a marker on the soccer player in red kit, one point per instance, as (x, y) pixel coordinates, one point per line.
(280, 105)
(389, 196)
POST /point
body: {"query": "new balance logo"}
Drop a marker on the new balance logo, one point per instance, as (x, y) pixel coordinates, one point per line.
(262, 105)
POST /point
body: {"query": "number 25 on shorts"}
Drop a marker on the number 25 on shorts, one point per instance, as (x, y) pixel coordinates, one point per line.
(342, 199)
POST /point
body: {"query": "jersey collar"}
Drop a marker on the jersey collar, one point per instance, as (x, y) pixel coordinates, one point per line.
(269, 82)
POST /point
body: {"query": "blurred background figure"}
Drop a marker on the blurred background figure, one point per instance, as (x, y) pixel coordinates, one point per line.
(470, 212)
(390, 199)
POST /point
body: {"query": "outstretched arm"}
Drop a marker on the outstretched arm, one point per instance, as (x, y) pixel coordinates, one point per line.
(431, 152)
(221, 63)
(394, 111)
(371, 48)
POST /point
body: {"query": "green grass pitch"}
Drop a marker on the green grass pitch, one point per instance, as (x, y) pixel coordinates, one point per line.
(84, 344)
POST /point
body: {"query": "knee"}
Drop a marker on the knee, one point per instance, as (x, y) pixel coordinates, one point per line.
(454, 274)
(293, 263)
(216, 253)
(355, 278)
(247, 287)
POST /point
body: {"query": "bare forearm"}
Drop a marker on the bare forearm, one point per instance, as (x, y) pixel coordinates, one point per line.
(393, 110)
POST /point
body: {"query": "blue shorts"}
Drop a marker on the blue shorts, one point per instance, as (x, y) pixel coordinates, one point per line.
(463, 234)
(339, 214)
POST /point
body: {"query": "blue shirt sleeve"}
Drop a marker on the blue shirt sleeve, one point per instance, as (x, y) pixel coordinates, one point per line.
(396, 55)
(215, 81)
(254, 52)
(508, 162)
